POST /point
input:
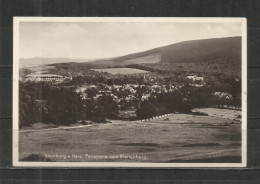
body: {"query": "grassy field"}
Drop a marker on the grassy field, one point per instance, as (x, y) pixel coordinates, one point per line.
(182, 138)
(115, 71)
(153, 58)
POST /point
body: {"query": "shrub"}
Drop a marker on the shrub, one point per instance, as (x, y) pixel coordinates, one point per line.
(199, 113)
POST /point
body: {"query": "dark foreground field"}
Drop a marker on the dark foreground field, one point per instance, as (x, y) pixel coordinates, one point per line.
(182, 138)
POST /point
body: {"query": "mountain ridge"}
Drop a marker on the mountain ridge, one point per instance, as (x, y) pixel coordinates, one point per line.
(204, 50)
(189, 51)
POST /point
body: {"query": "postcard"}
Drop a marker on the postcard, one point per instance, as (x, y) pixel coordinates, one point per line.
(129, 92)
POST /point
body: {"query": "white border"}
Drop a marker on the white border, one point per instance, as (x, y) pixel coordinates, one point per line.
(16, 162)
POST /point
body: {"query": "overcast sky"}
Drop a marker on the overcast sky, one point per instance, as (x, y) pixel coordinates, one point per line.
(90, 40)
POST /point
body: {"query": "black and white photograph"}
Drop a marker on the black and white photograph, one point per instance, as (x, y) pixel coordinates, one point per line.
(129, 92)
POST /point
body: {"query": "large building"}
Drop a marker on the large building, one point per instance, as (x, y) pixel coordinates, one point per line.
(46, 77)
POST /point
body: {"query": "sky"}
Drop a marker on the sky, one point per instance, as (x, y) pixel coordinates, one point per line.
(94, 40)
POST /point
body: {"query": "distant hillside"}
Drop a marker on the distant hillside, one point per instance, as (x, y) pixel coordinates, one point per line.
(130, 59)
(31, 62)
(224, 49)
(188, 51)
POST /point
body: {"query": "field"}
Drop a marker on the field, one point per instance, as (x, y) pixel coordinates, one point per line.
(115, 71)
(179, 138)
(153, 58)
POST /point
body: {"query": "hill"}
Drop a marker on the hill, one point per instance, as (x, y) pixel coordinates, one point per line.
(32, 62)
(220, 50)
(188, 51)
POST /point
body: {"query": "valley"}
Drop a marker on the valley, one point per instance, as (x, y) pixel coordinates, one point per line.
(178, 103)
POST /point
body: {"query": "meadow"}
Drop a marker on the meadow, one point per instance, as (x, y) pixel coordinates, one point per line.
(177, 138)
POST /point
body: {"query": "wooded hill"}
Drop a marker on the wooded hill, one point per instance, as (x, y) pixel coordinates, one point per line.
(206, 50)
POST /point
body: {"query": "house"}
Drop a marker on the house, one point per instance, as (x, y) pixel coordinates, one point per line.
(195, 78)
(105, 92)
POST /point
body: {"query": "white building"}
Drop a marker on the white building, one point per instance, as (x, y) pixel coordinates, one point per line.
(195, 78)
(45, 78)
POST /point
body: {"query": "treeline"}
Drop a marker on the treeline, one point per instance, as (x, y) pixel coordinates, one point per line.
(188, 98)
(163, 103)
(121, 79)
(40, 102)
(215, 66)
(108, 79)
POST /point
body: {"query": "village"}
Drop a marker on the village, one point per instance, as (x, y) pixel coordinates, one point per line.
(127, 96)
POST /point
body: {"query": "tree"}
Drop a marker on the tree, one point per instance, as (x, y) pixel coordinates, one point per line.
(186, 106)
(40, 102)
(109, 105)
(236, 92)
(146, 110)
(65, 106)
(26, 106)
(98, 114)
(91, 92)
